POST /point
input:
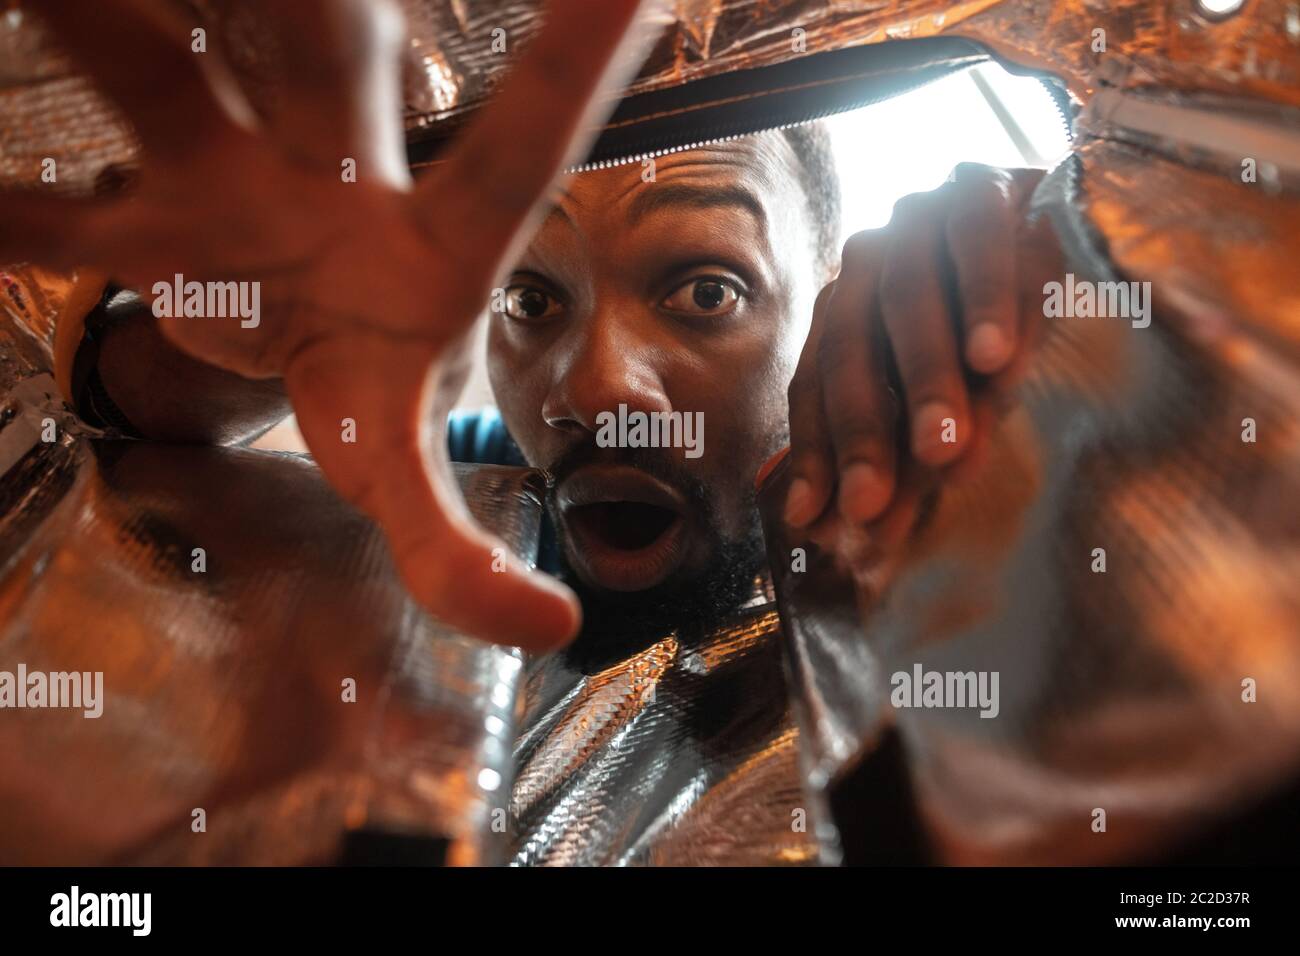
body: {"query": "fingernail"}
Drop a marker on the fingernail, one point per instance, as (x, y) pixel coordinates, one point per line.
(934, 432)
(864, 492)
(988, 347)
(799, 503)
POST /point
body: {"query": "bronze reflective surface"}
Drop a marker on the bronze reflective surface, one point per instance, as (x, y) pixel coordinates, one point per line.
(1121, 689)
(224, 682)
(452, 64)
(682, 754)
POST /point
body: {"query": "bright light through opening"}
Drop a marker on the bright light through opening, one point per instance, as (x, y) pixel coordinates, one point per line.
(1220, 8)
(912, 142)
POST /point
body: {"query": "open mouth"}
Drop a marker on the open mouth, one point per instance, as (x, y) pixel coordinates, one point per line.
(624, 525)
(626, 530)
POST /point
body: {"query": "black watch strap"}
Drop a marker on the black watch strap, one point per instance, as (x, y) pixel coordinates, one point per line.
(92, 401)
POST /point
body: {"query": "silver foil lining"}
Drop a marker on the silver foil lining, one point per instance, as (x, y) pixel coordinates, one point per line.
(684, 753)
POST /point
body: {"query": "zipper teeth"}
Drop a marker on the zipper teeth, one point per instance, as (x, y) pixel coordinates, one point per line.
(712, 141)
(669, 150)
(1061, 100)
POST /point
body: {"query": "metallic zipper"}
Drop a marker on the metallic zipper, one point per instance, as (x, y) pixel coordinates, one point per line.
(702, 139)
(708, 140)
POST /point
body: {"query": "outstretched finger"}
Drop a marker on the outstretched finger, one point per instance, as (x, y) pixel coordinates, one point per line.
(922, 332)
(855, 391)
(363, 404)
(483, 196)
(981, 238)
(812, 455)
(341, 86)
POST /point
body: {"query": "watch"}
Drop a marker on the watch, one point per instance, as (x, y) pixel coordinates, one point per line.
(91, 399)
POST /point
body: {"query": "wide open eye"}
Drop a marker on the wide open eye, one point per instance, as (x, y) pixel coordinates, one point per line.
(527, 303)
(706, 295)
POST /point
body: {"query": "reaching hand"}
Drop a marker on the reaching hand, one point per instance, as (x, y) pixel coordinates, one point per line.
(367, 288)
(944, 298)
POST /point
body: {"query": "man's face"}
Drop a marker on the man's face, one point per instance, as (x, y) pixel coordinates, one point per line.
(691, 293)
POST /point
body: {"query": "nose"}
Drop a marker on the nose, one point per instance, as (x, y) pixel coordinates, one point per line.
(606, 361)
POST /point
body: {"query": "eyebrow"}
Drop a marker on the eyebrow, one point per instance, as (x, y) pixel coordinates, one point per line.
(557, 211)
(664, 195)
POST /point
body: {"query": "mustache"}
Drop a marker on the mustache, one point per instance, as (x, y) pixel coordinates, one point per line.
(658, 463)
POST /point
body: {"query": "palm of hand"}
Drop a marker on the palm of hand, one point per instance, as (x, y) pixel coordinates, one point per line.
(368, 288)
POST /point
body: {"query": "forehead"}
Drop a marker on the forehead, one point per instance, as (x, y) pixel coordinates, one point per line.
(764, 162)
(756, 175)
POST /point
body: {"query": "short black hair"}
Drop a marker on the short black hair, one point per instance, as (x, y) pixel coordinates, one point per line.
(811, 145)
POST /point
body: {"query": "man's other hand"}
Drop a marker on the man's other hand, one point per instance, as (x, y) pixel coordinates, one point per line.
(925, 321)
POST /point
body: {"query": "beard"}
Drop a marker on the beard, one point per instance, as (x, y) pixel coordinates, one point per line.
(690, 602)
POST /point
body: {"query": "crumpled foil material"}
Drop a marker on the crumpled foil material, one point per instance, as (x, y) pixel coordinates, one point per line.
(225, 685)
(453, 63)
(1161, 687)
(684, 753)
(1120, 691)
